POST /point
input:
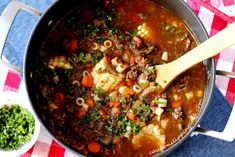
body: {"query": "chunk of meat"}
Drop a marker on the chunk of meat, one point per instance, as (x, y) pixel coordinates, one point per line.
(132, 74)
(177, 112)
(105, 140)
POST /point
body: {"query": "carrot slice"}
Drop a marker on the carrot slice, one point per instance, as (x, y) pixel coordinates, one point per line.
(176, 103)
(128, 91)
(94, 147)
(87, 81)
(90, 103)
(114, 104)
(130, 116)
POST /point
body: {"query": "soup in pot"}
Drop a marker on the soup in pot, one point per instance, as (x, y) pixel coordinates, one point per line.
(97, 79)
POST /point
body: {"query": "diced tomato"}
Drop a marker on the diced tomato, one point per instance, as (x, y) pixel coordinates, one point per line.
(59, 97)
(73, 45)
(81, 113)
(108, 58)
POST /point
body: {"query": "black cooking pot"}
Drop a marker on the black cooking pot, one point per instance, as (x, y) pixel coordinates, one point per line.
(58, 10)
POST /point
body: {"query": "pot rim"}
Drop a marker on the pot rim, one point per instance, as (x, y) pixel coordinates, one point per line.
(206, 100)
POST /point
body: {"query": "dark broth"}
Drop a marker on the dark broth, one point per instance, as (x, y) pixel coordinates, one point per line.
(96, 80)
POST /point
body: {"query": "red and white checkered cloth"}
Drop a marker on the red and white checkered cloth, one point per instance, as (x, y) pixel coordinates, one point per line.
(215, 15)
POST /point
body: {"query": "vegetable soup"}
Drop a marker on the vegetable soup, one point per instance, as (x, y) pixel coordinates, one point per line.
(97, 79)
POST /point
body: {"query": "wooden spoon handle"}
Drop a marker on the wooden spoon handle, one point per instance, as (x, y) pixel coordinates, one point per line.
(166, 73)
(207, 49)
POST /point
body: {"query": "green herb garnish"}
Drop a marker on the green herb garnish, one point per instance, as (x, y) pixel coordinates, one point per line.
(16, 127)
(144, 112)
(96, 58)
(100, 39)
(170, 28)
(113, 31)
(123, 101)
(92, 29)
(99, 92)
(133, 32)
(151, 69)
(122, 36)
(95, 114)
(81, 57)
(123, 126)
(143, 16)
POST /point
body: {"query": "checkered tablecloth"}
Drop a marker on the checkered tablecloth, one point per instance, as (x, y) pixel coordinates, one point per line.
(215, 15)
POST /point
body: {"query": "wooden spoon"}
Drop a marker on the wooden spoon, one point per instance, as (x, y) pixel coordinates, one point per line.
(166, 73)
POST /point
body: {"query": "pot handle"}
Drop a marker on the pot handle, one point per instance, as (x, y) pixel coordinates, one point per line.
(6, 21)
(228, 134)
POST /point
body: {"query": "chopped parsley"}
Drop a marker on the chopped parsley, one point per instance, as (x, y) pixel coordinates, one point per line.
(92, 29)
(95, 114)
(16, 127)
(144, 112)
(170, 28)
(143, 16)
(123, 126)
(99, 92)
(122, 36)
(133, 32)
(151, 69)
(110, 127)
(100, 39)
(160, 102)
(81, 57)
(113, 31)
(123, 101)
(96, 58)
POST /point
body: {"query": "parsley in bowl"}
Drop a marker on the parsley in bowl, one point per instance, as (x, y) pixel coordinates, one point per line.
(19, 127)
